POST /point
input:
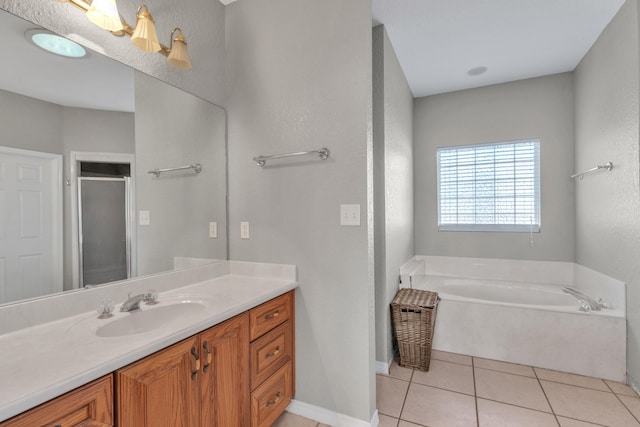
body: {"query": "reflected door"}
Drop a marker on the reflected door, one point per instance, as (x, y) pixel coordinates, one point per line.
(105, 250)
(30, 224)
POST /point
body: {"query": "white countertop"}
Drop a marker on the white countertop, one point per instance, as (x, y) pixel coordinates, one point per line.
(44, 361)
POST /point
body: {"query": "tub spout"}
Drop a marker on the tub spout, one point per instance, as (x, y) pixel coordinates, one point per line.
(586, 303)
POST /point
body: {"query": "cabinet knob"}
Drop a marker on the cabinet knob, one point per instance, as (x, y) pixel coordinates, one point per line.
(196, 363)
(275, 352)
(209, 357)
(272, 315)
(275, 399)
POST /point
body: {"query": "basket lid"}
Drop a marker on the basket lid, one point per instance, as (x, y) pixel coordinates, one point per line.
(416, 298)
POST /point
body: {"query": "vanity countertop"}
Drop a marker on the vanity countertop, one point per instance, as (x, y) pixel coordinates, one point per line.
(44, 361)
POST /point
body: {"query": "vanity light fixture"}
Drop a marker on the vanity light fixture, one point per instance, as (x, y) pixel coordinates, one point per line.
(144, 36)
(54, 43)
(178, 54)
(104, 13)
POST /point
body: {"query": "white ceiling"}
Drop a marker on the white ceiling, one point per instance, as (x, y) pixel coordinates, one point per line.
(94, 81)
(438, 41)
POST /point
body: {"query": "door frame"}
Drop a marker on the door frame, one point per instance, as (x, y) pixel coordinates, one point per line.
(57, 245)
(98, 157)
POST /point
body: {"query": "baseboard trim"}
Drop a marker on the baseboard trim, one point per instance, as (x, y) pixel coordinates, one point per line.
(633, 383)
(382, 367)
(328, 417)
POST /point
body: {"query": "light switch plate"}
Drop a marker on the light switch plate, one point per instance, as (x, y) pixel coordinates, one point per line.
(350, 215)
(144, 218)
(244, 230)
(213, 229)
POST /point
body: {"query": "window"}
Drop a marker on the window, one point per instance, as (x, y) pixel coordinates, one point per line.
(490, 187)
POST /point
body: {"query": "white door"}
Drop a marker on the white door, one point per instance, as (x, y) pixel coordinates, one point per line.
(30, 224)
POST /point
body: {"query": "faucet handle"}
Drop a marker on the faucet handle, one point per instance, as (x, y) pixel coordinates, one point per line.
(151, 297)
(105, 309)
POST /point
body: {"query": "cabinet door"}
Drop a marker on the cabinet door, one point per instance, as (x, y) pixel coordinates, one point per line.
(225, 379)
(89, 405)
(161, 390)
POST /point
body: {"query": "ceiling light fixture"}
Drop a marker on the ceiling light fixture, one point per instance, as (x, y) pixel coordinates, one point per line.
(104, 13)
(55, 44)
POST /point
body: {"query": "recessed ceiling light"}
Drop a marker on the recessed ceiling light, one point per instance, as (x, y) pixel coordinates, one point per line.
(55, 44)
(476, 71)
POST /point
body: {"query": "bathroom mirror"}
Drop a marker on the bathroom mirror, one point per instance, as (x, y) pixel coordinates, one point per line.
(78, 139)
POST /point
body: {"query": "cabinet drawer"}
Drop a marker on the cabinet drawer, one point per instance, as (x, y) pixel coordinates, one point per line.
(89, 405)
(270, 352)
(269, 315)
(271, 398)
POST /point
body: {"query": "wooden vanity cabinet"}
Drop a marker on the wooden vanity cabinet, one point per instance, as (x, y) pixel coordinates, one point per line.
(201, 381)
(89, 405)
(272, 359)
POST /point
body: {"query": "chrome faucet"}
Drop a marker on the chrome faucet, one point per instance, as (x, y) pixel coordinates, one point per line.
(586, 303)
(133, 302)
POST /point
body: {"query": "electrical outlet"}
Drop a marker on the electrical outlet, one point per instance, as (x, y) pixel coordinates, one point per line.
(213, 230)
(244, 230)
(350, 215)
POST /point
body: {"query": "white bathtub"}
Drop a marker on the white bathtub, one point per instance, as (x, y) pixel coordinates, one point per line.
(501, 316)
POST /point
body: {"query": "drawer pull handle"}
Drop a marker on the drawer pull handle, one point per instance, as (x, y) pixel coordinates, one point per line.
(275, 352)
(209, 356)
(196, 363)
(272, 315)
(275, 399)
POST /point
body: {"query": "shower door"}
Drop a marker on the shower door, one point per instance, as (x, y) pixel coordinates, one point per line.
(104, 229)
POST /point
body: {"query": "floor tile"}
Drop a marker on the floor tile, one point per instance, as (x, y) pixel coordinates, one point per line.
(588, 405)
(632, 404)
(404, 423)
(397, 371)
(451, 357)
(390, 395)
(568, 422)
(450, 376)
(387, 421)
(510, 368)
(619, 388)
(572, 379)
(438, 408)
(495, 414)
(509, 388)
(288, 419)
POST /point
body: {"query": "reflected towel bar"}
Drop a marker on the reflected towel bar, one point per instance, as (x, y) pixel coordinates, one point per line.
(262, 160)
(581, 175)
(197, 168)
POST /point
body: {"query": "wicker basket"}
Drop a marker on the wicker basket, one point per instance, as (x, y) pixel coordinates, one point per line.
(413, 313)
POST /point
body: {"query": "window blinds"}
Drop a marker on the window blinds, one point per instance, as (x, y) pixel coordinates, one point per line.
(490, 187)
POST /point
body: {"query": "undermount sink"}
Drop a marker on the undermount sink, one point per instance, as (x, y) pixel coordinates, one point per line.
(149, 318)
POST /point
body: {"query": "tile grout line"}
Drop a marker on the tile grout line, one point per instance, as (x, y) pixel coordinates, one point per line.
(475, 391)
(545, 396)
(622, 402)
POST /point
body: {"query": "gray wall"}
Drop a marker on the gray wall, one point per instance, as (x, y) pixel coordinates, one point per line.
(300, 79)
(608, 204)
(30, 124)
(174, 128)
(535, 108)
(393, 178)
(201, 20)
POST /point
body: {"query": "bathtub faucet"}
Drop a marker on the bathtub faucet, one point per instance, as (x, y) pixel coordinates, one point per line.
(586, 303)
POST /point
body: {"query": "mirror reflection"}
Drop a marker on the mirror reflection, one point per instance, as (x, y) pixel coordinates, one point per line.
(78, 204)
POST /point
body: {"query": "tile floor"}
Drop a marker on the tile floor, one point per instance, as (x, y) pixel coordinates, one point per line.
(461, 391)
(469, 391)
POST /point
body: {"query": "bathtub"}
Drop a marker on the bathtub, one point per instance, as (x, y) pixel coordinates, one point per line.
(516, 311)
